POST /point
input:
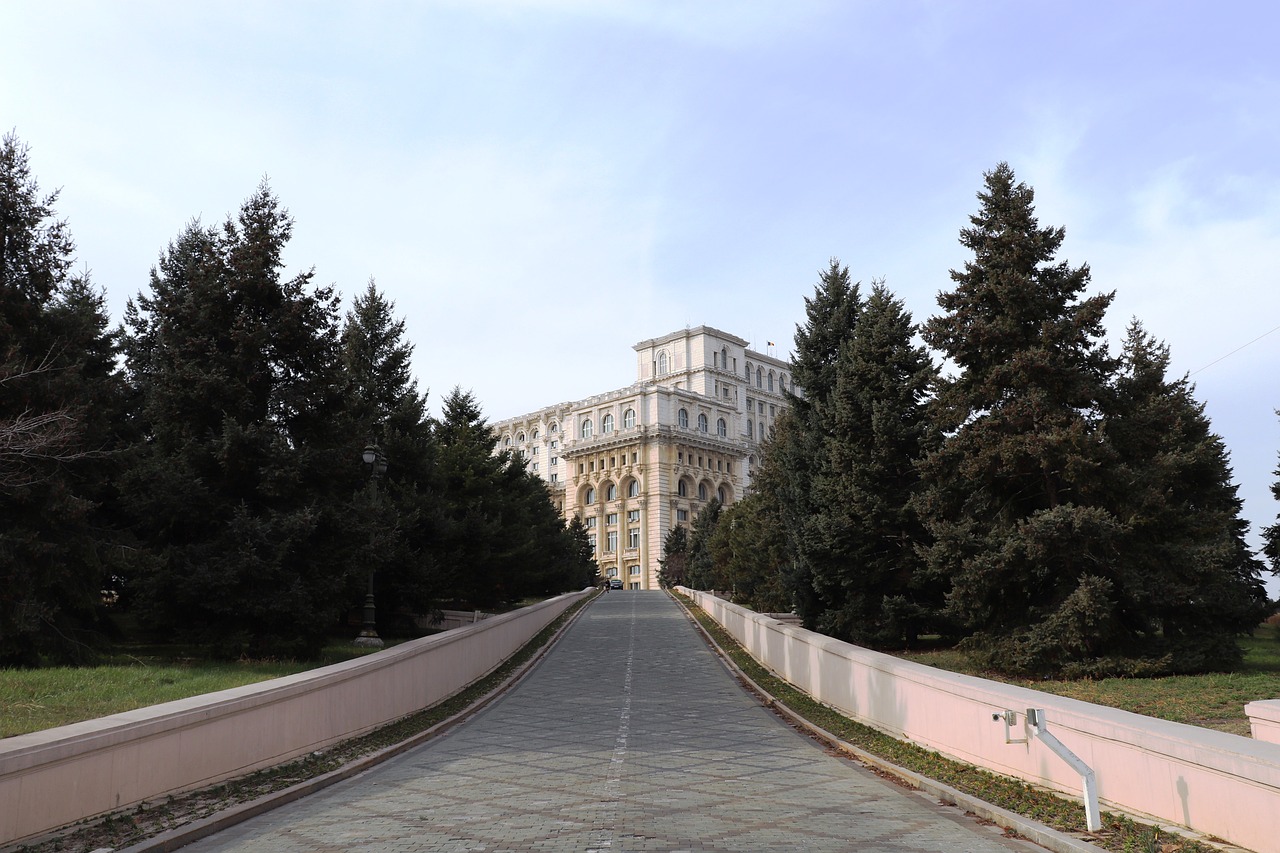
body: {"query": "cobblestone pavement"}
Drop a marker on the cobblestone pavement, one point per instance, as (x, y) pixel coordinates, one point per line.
(630, 735)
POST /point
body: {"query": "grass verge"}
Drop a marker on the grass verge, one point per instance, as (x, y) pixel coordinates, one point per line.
(1214, 700)
(1118, 833)
(133, 825)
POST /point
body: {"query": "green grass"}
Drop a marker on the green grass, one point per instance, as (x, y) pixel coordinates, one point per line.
(36, 699)
(1215, 700)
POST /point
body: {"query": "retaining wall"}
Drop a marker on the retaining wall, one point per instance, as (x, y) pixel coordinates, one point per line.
(1215, 783)
(58, 776)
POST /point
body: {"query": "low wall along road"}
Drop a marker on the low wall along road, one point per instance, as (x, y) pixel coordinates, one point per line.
(1215, 783)
(59, 776)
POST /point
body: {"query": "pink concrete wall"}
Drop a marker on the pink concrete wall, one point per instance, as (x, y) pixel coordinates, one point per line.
(58, 776)
(1215, 783)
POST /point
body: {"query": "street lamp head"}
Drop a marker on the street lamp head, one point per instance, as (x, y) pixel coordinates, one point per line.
(370, 454)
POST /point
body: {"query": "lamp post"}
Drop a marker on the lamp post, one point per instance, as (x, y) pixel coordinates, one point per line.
(368, 636)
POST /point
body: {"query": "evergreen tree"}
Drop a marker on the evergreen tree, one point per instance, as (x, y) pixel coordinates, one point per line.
(749, 551)
(700, 567)
(1012, 499)
(1186, 581)
(241, 480)
(387, 411)
(864, 532)
(673, 565)
(60, 408)
(799, 441)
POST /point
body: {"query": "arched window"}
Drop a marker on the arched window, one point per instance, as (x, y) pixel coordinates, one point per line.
(702, 423)
(507, 441)
(720, 493)
(611, 492)
(702, 491)
(783, 382)
(587, 428)
(662, 363)
(681, 490)
(590, 497)
(722, 429)
(759, 377)
(606, 424)
(535, 435)
(520, 437)
(751, 430)
(633, 489)
(770, 380)
(555, 427)
(724, 358)
(628, 418)
(682, 418)
(748, 371)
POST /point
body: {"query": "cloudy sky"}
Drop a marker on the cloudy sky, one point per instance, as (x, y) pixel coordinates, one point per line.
(539, 184)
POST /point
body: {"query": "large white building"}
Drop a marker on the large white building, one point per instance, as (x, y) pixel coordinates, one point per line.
(635, 462)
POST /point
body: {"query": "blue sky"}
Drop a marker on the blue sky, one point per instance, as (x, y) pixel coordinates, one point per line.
(539, 184)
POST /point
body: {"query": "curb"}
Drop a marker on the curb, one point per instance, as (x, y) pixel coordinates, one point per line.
(1046, 836)
(174, 839)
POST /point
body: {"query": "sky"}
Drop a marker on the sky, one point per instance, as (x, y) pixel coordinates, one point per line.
(540, 184)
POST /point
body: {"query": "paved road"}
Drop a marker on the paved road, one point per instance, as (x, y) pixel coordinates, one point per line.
(630, 735)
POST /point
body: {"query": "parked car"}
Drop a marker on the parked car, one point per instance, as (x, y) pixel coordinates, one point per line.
(614, 583)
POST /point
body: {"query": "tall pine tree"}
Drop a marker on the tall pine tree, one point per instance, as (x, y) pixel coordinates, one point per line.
(238, 483)
(865, 532)
(61, 409)
(1013, 499)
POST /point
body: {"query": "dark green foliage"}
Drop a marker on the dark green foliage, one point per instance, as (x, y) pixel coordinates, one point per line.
(750, 551)
(701, 572)
(673, 566)
(863, 535)
(1185, 568)
(501, 538)
(1080, 510)
(795, 456)
(385, 409)
(237, 483)
(61, 409)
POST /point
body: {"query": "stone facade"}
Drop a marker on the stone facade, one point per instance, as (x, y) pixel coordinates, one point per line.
(635, 462)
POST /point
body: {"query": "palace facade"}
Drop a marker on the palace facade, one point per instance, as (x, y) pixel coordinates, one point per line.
(635, 462)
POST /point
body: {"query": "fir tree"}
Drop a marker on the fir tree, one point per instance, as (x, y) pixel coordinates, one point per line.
(61, 407)
(1186, 580)
(1012, 498)
(864, 533)
(673, 565)
(700, 567)
(798, 442)
(240, 482)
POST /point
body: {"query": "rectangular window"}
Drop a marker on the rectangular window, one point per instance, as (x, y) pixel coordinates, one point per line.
(728, 467)
(535, 466)
(634, 571)
(554, 445)
(633, 537)
(612, 573)
(773, 411)
(761, 405)
(591, 540)
(635, 457)
(611, 541)
(591, 522)
(555, 478)
(682, 515)
(633, 516)
(611, 519)
(611, 462)
(682, 457)
(581, 467)
(555, 459)
(593, 464)
(635, 585)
